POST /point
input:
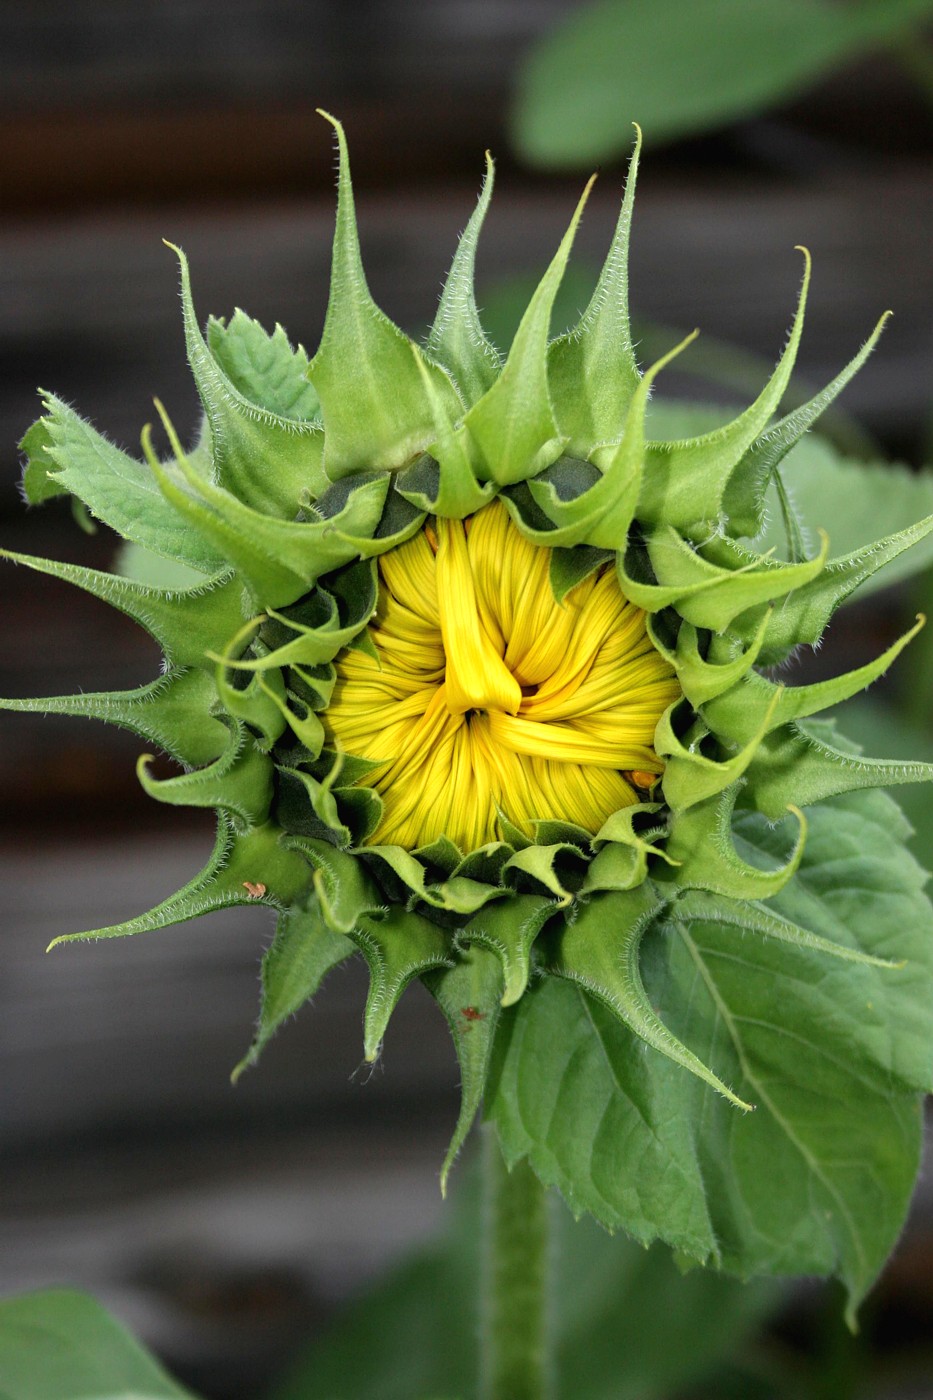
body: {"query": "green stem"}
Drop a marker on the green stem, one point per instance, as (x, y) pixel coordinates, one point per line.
(516, 1364)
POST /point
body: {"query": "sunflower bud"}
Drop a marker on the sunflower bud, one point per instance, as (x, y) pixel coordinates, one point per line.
(473, 672)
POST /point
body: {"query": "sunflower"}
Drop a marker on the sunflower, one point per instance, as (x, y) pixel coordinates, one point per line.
(476, 675)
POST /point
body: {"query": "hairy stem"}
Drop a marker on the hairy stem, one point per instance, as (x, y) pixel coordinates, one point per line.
(516, 1363)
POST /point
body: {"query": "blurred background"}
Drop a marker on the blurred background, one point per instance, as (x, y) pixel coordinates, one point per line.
(228, 1225)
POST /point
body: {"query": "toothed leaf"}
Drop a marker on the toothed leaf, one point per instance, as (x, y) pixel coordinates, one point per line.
(264, 368)
(270, 461)
(832, 1053)
(120, 491)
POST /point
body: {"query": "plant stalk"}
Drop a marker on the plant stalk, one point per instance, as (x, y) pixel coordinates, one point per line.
(516, 1361)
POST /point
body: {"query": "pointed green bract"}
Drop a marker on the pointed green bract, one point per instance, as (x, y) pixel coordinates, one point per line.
(469, 993)
(457, 339)
(373, 403)
(592, 369)
(512, 429)
(754, 934)
(300, 956)
(398, 947)
(599, 951)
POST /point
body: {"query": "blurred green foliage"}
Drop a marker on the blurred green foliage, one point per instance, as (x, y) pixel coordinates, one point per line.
(682, 67)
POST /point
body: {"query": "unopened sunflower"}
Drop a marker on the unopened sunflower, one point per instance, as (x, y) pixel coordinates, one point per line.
(478, 679)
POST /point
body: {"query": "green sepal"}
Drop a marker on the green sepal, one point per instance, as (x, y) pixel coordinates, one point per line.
(457, 340)
(744, 499)
(509, 930)
(569, 567)
(690, 777)
(342, 884)
(321, 625)
(511, 431)
(267, 461)
(601, 515)
(457, 493)
(592, 369)
(254, 703)
(305, 948)
(255, 857)
(799, 764)
(372, 395)
(469, 994)
(173, 711)
(704, 678)
(307, 805)
(238, 783)
(622, 851)
(460, 895)
(185, 624)
(265, 368)
(684, 483)
(706, 594)
(398, 946)
(802, 617)
(120, 491)
(752, 917)
(599, 950)
(280, 559)
(702, 845)
(736, 713)
(539, 865)
(303, 721)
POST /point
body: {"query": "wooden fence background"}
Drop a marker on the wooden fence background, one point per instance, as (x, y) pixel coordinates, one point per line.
(224, 1223)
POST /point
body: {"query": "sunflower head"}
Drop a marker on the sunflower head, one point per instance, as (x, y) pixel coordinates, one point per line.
(473, 670)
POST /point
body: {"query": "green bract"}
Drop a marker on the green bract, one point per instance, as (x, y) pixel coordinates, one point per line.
(701, 954)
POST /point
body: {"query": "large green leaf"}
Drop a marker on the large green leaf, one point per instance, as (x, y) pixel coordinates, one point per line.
(627, 1322)
(833, 1054)
(682, 66)
(62, 1345)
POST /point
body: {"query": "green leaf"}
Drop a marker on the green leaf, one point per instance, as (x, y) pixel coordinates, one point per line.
(856, 502)
(682, 66)
(268, 460)
(628, 1322)
(61, 1343)
(263, 367)
(299, 958)
(120, 491)
(834, 1054)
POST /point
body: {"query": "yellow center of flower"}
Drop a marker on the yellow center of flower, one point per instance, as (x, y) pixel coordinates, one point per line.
(487, 699)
